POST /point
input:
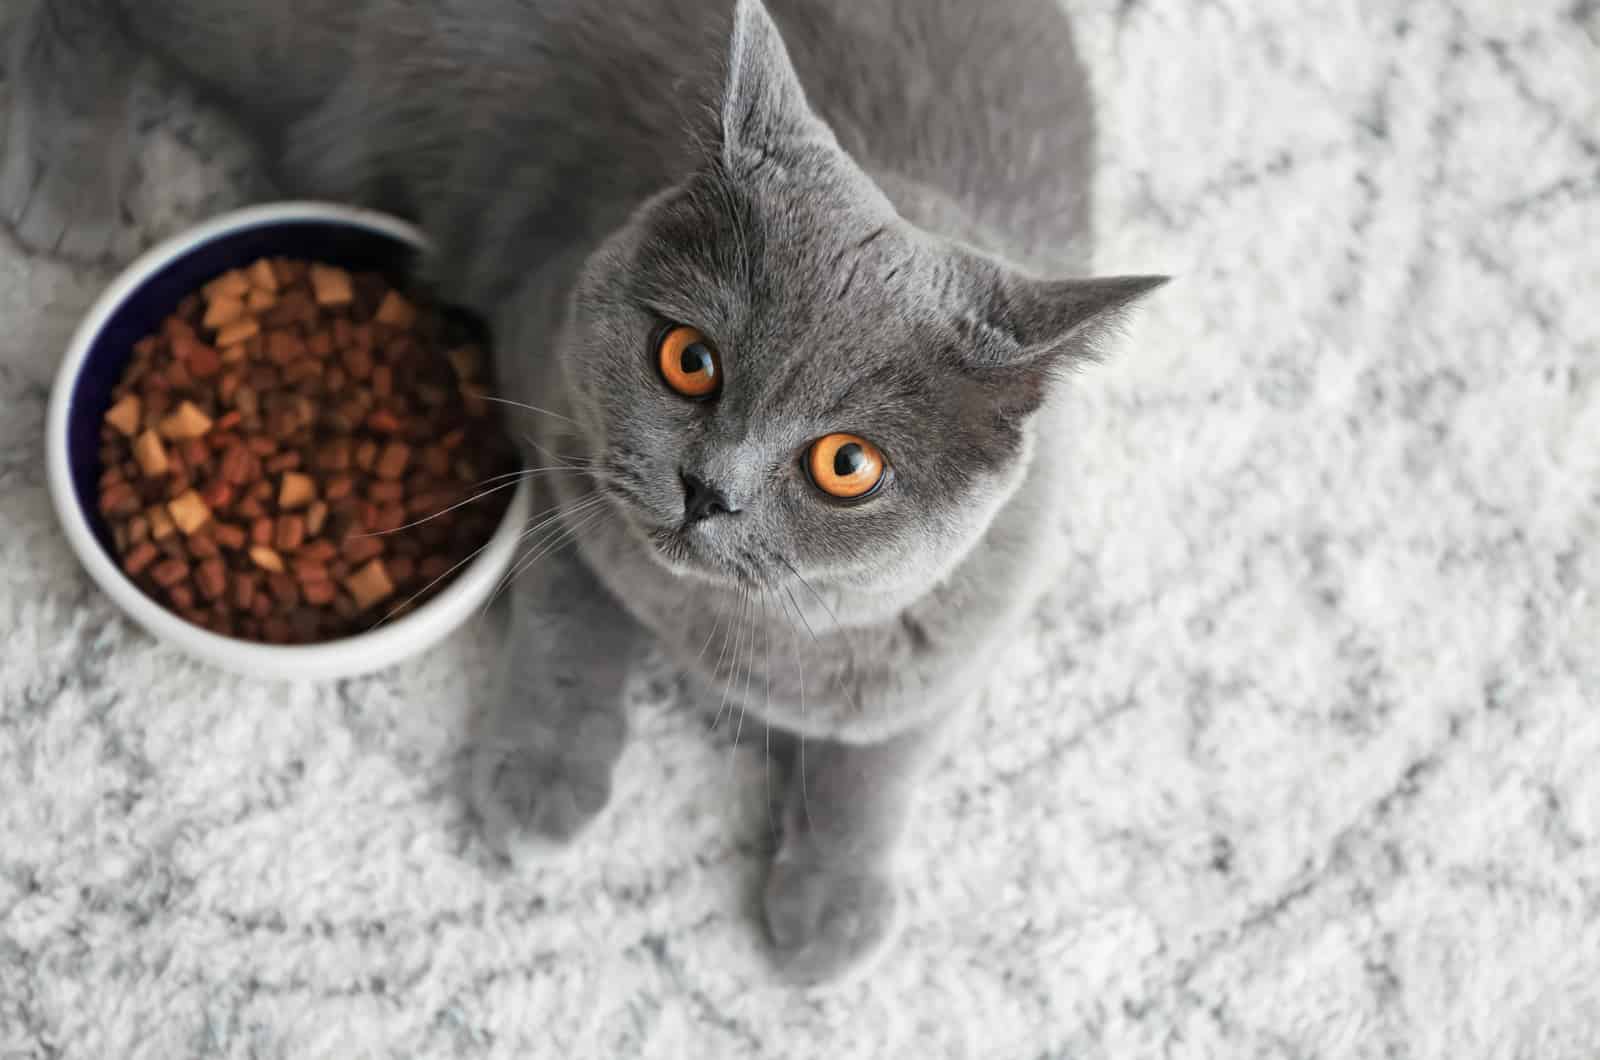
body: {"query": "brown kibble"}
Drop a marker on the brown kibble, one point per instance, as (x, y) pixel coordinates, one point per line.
(268, 427)
(240, 330)
(331, 286)
(124, 415)
(284, 589)
(316, 518)
(231, 284)
(262, 277)
(222, 311)
(236, 461)
(119, 499)
(187, 421)
(370, 585)
(151, 454)
(385, 492)
(217, 494)
(360, 548)
(289, 532)
(266, 559)
(161, 524)
(140, 557)
(212, 578)
(230, 537)
(296, 490)
(384, 422)
(204, 362)
(169, 572)
(396, 311)
(189, 513)
(393, 460)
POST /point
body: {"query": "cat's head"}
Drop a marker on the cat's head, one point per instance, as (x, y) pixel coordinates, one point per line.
(778, 375)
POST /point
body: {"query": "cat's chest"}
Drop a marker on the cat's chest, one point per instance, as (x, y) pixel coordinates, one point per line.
(782, 655)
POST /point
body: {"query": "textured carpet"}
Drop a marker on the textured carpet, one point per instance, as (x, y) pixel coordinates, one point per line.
(1302, 758)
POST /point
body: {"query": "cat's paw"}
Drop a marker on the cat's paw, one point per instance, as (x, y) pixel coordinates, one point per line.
(828, 923)
(59, 194)
(534, 802)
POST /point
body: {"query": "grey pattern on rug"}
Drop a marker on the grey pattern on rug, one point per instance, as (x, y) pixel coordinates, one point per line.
(1301, 758)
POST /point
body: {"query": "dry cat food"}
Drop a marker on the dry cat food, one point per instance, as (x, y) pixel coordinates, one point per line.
(281, 458)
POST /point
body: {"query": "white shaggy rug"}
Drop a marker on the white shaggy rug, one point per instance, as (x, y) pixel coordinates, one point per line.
(1301, 760)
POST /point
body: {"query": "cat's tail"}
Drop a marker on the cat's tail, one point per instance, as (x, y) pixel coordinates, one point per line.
(65, 156)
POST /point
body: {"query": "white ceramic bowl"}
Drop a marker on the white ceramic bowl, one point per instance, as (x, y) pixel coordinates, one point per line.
(133, 306)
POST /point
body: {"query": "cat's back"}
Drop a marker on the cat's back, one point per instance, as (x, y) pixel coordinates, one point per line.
(975, 116)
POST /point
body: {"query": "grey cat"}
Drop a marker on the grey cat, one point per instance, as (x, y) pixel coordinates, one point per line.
(774, 282)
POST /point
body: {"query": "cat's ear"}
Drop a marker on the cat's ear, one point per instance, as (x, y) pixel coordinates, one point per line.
(764, 108)
(1031, 329)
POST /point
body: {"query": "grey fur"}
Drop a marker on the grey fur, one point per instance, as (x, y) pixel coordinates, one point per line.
(856, 220)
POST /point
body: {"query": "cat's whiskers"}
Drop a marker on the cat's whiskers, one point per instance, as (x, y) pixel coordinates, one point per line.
(515, 478)
(538, 524)
(800, 667)
(532, 408)
(766, 718)
(591, 509)
(749, 675)
(733, 660)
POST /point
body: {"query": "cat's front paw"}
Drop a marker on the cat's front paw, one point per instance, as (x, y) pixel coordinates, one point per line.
(59, 191)
(828, 923)
(533, 802)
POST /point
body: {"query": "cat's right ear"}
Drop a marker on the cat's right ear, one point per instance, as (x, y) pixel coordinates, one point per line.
(764, 108)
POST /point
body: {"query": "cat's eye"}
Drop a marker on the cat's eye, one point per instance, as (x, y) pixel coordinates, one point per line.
(845, 466)
(688, 364)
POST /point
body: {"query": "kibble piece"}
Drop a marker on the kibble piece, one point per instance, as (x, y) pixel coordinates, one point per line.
(187, 421)
(189, 513)
(223, 310)
(212, 578)
(393, 460)
(316, 518)
(266, 559)
(331, 286)
(262, 277)
(140, 557)
(370, 585)
(289, 533)
(320, 593)
(161, 525)
(396, 311)
(124, 415)
(230, 537)
(119, 499)
(296, 491)
(151, 454)
(259, 300)
(169, 572)
(231, 284)
(241, 330)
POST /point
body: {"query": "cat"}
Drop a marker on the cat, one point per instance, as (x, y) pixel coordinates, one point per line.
(796, 293)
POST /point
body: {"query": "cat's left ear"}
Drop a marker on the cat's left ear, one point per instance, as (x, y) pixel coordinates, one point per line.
(1028, 330)
(764, 108)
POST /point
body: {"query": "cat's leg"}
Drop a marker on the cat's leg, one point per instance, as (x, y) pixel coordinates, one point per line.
(832, 903)
(543, 758)
(66, 155)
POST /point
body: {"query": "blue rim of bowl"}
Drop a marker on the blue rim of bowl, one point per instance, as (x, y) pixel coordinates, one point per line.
(132, 307)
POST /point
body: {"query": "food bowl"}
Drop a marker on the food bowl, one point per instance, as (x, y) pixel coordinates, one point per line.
(135, 305)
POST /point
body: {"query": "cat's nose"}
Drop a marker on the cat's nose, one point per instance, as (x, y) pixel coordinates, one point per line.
(701, 500)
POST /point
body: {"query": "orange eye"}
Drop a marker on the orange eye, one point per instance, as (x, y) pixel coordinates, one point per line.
(688, 363)
(845, 466)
